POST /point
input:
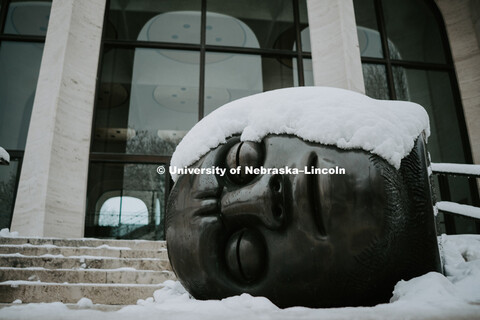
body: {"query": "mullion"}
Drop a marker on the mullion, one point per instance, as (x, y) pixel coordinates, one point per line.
(128, 158)
(296, 20)
(409, 64)
(208, 48)
(201, 85)
(99, 71)
(20, 37)
(386, 52)
(3, 14)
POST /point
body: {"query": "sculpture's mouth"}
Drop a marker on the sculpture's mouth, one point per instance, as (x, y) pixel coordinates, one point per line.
(314, 196)
(245, 255)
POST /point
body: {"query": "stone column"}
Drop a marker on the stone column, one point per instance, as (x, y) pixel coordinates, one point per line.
(460, 17)
(335, 52)
(53, 182)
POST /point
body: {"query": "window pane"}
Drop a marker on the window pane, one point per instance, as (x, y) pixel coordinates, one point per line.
(307, 72)
(413, 31)
(8, 181)
(229, 77)
(19, 68)
(432, 90)
(250, 23)
(28, 17)
(146, 20)
(375, 78)
(125, 201)
(369, 39)
(148, 99)
(305, 30)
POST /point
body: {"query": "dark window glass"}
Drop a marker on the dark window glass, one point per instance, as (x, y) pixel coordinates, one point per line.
(159, 75)
(375, 78)
(432, 90)
(25, 24)
(369, 39)
(148, 99)
(19, 68)
(305, 31)
(8, 183)
(229, 77)
(307, 72)
(413, 31)
(125, 201)
(146, 20)
(27, 17)
(279, 73)
(241, 22)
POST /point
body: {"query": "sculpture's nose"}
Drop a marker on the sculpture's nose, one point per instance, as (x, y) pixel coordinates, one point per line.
(264, 201)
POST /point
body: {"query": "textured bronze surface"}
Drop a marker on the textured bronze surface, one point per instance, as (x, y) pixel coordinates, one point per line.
(324, 240)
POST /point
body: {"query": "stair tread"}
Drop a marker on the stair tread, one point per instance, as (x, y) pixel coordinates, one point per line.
(109, 272)
(61, 256)
(123, 269)
(112, 294)
(90, 242)
(14, 283)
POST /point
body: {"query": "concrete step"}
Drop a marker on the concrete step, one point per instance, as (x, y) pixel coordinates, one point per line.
(109, 272)
(87, 242)
(118, 276)
(75, 306)
(103, 251)
(17, 260)
(111, 294)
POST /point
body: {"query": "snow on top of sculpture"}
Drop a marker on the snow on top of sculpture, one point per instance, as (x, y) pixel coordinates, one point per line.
(330, 116)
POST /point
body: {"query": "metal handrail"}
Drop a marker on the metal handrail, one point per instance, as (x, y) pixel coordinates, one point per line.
(443, 170)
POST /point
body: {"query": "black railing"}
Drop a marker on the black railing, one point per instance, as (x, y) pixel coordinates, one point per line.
(451, 209)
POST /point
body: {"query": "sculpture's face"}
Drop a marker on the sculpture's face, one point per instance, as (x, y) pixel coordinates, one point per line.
(297, 239)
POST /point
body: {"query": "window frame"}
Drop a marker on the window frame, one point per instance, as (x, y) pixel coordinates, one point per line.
(448, 67)
(15, 154)
(203, 49)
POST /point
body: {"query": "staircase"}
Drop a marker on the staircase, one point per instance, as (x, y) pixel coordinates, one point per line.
(109, 272)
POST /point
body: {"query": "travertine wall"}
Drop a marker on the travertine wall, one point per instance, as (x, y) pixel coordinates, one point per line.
(334, 41)
(460, 17)
(53, 182)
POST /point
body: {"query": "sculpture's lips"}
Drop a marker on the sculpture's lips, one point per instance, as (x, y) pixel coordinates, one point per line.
(314, 196)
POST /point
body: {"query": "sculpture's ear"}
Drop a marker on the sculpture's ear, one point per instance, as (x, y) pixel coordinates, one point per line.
(414, 169)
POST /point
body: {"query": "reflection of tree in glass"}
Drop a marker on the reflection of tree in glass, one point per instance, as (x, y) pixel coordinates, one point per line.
(399, 75)
(148, 142)
(375, 77)
(108, 216)
(375, 81)
(7, 190)
(143, 182)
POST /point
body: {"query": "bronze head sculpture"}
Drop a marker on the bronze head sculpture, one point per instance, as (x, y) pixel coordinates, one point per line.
(302, 239)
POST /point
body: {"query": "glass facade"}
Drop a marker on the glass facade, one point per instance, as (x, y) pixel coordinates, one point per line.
(23, 26)
(167, 64)
(130, 201)
(8, 188)
(405, 56)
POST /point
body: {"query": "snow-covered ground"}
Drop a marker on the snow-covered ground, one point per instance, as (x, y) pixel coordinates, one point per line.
(432, 296)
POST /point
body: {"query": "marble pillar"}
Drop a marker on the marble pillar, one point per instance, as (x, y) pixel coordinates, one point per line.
(53, 182)
(335, 52)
